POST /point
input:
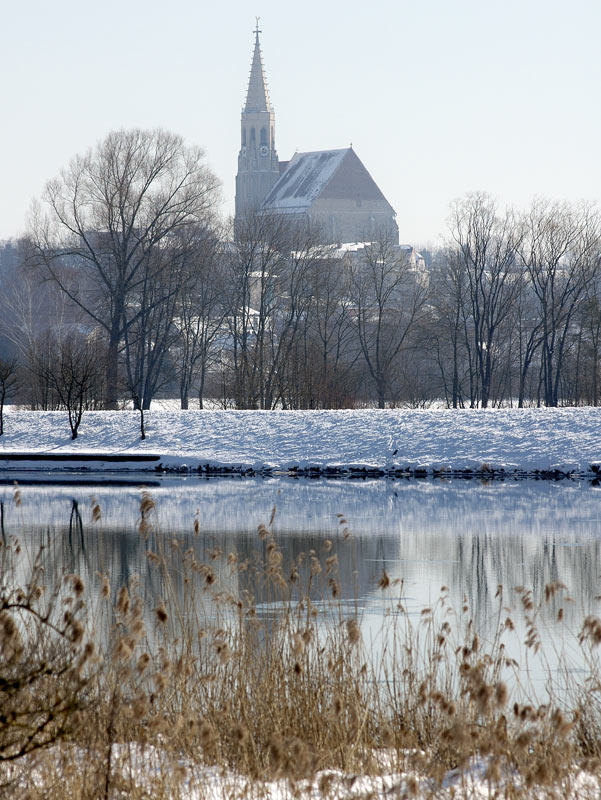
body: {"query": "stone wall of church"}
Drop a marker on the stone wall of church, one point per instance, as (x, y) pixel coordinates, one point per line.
(252, 188)
(354, 220)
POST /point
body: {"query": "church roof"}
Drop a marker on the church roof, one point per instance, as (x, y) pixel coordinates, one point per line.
(331, 174)
(257, 95)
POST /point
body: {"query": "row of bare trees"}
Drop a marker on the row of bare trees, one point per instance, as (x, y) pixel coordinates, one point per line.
(515, 301)
(129, 287)
(274, 318)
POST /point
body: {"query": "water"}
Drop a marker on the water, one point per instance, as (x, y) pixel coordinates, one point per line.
(465, 535)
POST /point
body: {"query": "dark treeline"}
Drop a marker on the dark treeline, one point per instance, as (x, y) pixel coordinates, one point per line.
(128, 287)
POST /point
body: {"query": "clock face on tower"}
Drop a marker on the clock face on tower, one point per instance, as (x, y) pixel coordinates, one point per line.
(263, 150)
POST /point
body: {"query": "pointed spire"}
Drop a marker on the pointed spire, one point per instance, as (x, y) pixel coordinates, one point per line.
(257, 96)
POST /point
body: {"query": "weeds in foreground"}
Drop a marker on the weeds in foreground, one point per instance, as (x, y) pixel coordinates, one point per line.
(253, 670)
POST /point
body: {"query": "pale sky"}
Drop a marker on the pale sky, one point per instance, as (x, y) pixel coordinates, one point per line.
(438, 97)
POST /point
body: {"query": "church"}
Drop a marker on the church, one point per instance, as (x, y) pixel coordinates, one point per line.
(330, 188)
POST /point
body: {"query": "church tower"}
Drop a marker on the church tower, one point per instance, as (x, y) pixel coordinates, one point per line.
(258, 168)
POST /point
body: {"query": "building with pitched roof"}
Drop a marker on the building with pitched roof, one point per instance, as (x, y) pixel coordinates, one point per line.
(330, 188)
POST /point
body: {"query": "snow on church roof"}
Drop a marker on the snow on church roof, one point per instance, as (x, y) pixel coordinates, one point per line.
(303, 181)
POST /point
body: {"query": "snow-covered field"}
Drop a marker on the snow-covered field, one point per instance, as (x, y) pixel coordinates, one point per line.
(514, 440)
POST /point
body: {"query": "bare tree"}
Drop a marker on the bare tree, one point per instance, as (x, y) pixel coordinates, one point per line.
(34, 317)
(8, 380)
(257, 257)
(590, 322)
(332, 334)
(294, 290)
(448, 321)
(388, 296)
(113, 214)
(148, 339)
(201, 313)
(487, 245)
(527, 327)
(273, 268)
(74, 375)
(139, 407)
(561, 255)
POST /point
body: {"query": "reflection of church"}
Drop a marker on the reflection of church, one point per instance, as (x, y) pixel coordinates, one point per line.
(331, 188)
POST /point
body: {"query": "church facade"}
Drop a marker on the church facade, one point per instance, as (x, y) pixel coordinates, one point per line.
(329, 188)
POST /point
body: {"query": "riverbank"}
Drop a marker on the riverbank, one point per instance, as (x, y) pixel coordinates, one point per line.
(362, 443)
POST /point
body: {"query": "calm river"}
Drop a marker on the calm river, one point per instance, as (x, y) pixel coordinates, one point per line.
(468, 536)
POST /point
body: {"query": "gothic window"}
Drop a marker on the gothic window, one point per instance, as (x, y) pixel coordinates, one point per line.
(252, 137)
(263, 135)
(243, 137)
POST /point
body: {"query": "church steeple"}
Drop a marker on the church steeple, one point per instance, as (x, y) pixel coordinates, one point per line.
(257, 96)
(258, 167)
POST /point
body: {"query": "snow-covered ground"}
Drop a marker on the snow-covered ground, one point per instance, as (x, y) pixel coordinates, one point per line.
(520, 440)
(149, 769)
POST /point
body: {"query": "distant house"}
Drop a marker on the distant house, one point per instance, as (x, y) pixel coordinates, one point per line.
(331, 188)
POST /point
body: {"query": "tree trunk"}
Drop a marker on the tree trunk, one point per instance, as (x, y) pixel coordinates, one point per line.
(455, 374)
(521, 389)
(112, 370)
(201, 387)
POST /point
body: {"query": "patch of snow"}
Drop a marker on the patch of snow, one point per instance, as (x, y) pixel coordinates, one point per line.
(304, 179)
(520, 440)
(149, 767)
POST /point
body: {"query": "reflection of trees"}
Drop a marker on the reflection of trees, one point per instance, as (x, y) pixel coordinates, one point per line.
(360, 561)
(468, 537)
(474, 564)
(76, 537)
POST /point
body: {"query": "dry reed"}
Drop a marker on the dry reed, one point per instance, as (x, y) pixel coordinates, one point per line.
(255, 669)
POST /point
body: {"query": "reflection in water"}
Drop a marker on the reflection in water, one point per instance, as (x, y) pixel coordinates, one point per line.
(468, 536)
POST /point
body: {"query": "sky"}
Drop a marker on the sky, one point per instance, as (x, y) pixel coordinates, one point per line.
(438, 97)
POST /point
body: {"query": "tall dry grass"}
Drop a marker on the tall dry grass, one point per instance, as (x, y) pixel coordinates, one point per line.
(253, 670)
